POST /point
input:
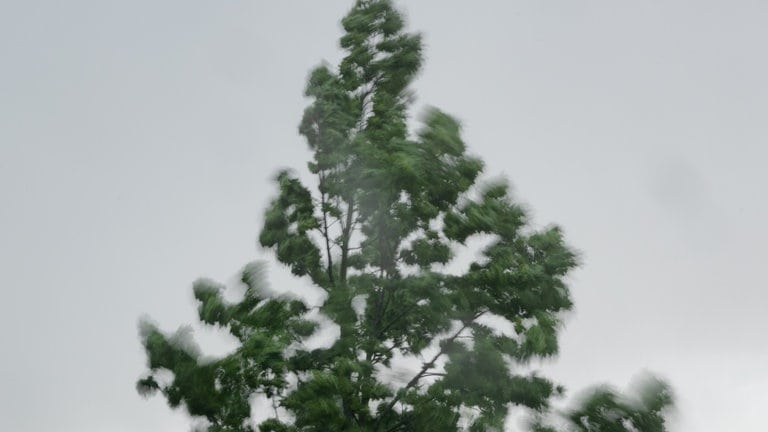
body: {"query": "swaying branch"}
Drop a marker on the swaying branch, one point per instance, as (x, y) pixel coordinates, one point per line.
(430, 364)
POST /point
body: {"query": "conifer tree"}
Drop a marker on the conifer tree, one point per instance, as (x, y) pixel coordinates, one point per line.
(389, 210)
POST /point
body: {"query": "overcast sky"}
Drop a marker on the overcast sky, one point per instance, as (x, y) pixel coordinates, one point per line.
(137, 140)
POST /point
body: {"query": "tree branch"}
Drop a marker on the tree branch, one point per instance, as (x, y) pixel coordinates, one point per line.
(430, 364)
(346, 234)
(325, 229)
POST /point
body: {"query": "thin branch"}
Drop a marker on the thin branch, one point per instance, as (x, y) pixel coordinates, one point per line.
(429, 374)
(389, 325)
(346, 234)
(325, 230)
(430, 364)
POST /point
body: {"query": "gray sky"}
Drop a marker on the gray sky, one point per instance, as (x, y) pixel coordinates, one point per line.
(137, 140)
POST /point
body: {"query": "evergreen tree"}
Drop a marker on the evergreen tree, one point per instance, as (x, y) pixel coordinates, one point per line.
(389, 211)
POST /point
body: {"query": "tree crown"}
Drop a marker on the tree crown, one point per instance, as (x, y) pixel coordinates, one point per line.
(388, 213)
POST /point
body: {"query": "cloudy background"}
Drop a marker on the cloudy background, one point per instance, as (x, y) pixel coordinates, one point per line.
(137, 140)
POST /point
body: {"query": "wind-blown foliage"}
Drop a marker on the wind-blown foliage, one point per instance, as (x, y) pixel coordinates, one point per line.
(604, 409)
(390, 209)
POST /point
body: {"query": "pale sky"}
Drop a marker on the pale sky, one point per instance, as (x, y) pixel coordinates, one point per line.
(137, 140)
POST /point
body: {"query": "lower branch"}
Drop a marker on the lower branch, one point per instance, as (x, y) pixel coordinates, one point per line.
(430, 364)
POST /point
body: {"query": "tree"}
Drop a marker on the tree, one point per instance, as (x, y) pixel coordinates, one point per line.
(389, 211)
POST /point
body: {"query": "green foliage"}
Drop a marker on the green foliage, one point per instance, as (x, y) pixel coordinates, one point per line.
(606, 410)
(389, 212)
(603, 409)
